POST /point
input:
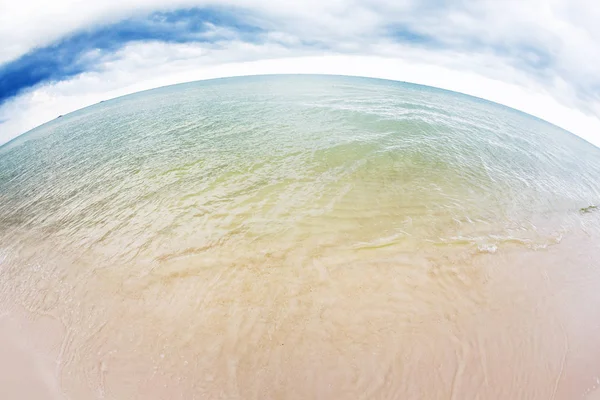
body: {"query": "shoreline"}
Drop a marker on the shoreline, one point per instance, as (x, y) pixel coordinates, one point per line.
(545, 308)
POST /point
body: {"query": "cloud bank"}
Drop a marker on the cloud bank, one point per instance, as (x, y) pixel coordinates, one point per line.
(537, 56)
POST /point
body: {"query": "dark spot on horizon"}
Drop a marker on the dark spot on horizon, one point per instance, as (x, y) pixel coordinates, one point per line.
(589, 209)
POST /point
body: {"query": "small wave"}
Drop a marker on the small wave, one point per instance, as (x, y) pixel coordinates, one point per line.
(487, 248)
(491, 243)
(382, 242)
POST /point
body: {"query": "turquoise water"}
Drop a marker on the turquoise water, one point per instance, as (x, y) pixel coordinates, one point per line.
(260, 202)
(266, 154)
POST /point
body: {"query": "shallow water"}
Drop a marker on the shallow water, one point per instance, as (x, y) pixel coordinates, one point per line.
(306, 237)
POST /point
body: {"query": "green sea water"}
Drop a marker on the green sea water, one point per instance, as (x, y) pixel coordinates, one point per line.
(187, 227)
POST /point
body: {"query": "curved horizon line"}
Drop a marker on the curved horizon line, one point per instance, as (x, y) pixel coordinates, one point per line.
(283, 74)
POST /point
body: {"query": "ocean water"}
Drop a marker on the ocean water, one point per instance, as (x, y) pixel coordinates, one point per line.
(286, 237)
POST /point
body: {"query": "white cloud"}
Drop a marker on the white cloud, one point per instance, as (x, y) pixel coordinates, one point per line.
(539, 56)
(33, 23)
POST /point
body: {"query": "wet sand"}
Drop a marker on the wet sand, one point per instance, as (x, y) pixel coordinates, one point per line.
(29, 351)
(514, 324)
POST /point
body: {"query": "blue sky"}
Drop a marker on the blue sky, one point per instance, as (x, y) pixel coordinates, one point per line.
(83, 50)
(539, 56)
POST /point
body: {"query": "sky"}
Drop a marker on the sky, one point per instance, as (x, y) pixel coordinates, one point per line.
(538, 56)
